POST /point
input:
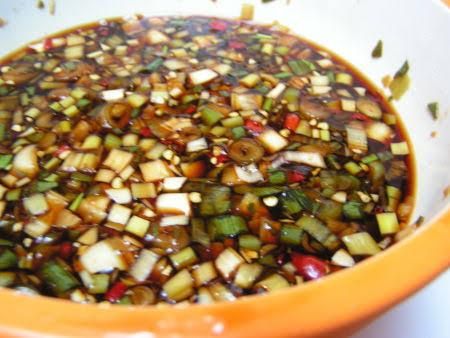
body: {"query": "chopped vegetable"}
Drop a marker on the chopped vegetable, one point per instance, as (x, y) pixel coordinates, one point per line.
(433, 108)
(377, 52)
(57, 277)
(361, 243)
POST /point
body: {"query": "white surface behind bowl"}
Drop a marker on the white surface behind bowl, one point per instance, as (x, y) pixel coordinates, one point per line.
(415, 30)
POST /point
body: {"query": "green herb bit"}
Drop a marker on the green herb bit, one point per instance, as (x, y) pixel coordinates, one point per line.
(403, 70)
(267, 105)
(13, 195)
(377, 52)
(30, 90)
(283, 75)
(220, 227)
(433, 108)
(43, 186)
(5, 160)
(277, 177)
(250, 242)
(76, 202)
(210, 116)
(112, 141)
(135, 112)
(215, 201)
(77, 176)
(3, 90)
(83, 103)
(399, 86)
(238, 132)
(8, 259)
(291, 234)
(352, 210)
(57, 277)
(2, 131)
(154, 65)
(331, 77)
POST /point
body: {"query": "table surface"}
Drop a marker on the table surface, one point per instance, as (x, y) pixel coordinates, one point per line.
(425, 314)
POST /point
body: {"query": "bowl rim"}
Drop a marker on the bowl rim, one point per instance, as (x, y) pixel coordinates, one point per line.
(364, 291)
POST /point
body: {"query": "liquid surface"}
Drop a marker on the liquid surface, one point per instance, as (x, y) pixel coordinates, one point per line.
(191, 159)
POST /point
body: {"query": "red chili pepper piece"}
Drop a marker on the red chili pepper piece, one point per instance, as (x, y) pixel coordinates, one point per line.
(222, 158)
(291, 121)
(65, 250)
(115, 292)
(254, 126)
(48, 44)
(104, 82)
(295, 177)
(360, 117)
(309, 267)
(146, 132)
(191, 109)
(236, 44)
(61, 149)
(216, 249)
(218, 25)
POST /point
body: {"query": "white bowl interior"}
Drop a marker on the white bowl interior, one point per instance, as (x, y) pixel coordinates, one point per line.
(350, 28)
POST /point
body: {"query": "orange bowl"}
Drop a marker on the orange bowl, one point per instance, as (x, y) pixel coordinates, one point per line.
(338, 304)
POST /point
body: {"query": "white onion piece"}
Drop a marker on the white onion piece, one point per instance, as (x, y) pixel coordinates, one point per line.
(155, 37)
(174, 220)
(173, 183)
(342, 258)
(104, 256)
(275, 92)
(309, 158)
(249, 174)
(26, 161)
(278, 162)
(174, 203)
(113, 94)
(196, 145)
(379, 131)
(272, 141)
(241, 99)
(143, 265)
(356, 137)
(202, 76)
(175, 64)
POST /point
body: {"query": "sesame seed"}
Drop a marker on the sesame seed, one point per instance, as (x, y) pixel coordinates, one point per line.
(270, 201)
(195, 197)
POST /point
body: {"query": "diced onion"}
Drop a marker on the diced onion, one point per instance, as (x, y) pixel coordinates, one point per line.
(196, 145)
(272, 141)
(342, 258)
(356, 137)
(309, 158)
(202, 76)
(143, 265)
(173, 183)
(249, 174)
(174, 220)
(104, 256)
(26, 162)
(379, 131)
(174, 203)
